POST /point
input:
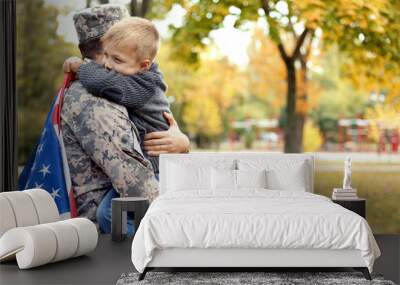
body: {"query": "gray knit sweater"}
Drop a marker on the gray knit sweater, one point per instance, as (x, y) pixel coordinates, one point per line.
(142, 94)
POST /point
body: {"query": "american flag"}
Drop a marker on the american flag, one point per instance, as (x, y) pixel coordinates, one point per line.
(48, 168)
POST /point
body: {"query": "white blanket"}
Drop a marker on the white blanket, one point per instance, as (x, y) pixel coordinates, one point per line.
(251, 219)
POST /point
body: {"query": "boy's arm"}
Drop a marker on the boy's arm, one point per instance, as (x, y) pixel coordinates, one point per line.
(129, 91)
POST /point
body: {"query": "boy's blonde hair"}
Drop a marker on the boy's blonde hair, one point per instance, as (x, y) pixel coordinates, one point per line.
(137, 33)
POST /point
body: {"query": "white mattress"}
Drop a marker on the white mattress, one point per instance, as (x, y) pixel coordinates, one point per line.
(251, 219)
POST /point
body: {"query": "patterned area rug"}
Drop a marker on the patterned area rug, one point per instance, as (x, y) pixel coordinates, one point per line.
(242, 278)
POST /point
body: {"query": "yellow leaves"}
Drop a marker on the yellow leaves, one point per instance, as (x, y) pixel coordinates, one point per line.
(340, 18)
(176, 74)
(309, 4)
(381, 117)
(223, 82)
(301, 94)
(202, 96)
(393, 94)
(313, 17)
(312, 138)
(212, 92)
(221, 10)
(201, 115)
(385, 115)
(312, 11)
(266, 73)
(364, 30)
(363, 23)
(267, 78)
(375, 74)
(308, 93)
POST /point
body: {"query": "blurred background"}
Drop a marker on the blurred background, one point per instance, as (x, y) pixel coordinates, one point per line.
(277, 76)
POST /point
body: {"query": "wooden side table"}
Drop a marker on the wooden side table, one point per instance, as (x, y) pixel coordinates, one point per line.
(357, 205)
(120, 208)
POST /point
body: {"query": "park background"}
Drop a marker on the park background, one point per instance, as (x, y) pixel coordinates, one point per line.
(283, 76)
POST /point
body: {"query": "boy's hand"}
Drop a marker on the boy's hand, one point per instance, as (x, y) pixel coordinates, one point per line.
(72, 64)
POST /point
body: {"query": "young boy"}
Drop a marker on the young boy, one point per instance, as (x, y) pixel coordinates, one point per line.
(129, 77)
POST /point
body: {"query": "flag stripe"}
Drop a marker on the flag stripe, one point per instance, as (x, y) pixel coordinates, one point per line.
(48, 167)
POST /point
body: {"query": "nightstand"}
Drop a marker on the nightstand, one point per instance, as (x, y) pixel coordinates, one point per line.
(356, 205)
(120, 207)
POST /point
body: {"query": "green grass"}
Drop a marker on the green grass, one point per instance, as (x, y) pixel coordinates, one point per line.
(381, 189)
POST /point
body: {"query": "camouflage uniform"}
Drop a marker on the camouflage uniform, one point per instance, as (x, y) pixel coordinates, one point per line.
(101, 146)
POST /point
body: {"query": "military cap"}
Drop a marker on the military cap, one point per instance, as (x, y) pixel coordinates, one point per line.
(93, 23)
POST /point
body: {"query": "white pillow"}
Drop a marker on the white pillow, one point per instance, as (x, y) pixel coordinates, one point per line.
(282, 174)
(295, 180)
(251, 178)
(188, 177)
(223, 179)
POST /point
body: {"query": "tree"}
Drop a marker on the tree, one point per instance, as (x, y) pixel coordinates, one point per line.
(201, 99)
(147, 8)
(202, 125)
(179, 81)
(139, 8)
(312, 139)
(40, 54)
(266, 73)
(292, 25)
(382, 118)
(338, 98)
(215, 87)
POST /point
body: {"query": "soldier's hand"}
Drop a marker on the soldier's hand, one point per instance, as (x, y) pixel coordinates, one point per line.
(170, 141)
(72, 64)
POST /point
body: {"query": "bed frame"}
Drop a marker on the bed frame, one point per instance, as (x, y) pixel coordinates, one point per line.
(242, 259)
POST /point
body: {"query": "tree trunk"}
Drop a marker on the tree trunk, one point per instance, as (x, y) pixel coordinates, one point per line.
(202, 141)
(139, 8)
(294, 123)
(302, 98)
(300, 120)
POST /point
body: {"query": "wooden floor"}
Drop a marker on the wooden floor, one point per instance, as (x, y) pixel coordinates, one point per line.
(110, 260)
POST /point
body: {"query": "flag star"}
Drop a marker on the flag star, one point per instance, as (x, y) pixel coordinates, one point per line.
(54, 193)
(45, 170)
(40, 148)
(38, 185)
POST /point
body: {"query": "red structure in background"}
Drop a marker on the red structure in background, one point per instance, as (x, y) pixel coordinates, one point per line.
(381, 143)
(352, 134)
(356, 130)
(395, 140)
(352, 130)
(389, 136)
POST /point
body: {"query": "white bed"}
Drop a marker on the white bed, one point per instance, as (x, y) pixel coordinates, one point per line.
(225, 217)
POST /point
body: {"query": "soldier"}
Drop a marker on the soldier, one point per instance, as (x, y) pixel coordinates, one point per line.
(100, 141)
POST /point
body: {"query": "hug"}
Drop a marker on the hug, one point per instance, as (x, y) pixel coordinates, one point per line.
(117, 100)
(115, 118)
